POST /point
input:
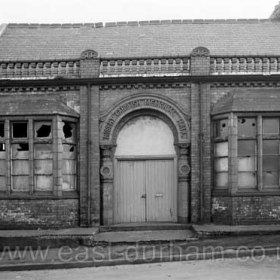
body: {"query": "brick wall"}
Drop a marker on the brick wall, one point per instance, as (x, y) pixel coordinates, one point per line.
(221, 210)
(180, 94)
(43, 213)
(246, 209)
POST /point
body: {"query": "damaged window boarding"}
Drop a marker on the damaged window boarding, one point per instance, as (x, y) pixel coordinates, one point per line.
(20, 167)
(43, 166)
(20, 164)
(30, 150)
(221, 154)
(69, 157)
(3, 166)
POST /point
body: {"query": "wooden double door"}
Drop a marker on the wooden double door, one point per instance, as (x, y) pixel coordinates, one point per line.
(145, 190)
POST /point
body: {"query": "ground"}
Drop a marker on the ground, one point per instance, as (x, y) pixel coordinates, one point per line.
(265, 268)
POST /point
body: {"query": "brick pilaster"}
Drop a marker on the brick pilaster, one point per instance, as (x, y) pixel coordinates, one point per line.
(200, 139)
(89, 64)
(89, 142)
(94, 156)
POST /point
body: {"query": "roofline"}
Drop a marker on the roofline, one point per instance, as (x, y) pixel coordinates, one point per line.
(136, 23)
(115, 58)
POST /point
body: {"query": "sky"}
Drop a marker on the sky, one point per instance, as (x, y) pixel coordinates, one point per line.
(82, 11)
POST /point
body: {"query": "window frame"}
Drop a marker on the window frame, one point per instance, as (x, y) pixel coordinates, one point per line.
(54, 141)
(233, 188)
(217, 140)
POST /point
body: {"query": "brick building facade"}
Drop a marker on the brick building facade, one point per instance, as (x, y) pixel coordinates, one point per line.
(70, 92)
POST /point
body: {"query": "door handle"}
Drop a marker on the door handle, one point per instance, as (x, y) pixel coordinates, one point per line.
(143, 195)
(159, 195)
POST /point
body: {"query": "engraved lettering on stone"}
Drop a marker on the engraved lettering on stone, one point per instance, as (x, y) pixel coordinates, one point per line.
(147, 102)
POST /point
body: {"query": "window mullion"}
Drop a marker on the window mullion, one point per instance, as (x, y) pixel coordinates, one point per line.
(233, 157)
(8, 155)
(259, 153)
(57, 155)
(31, 155)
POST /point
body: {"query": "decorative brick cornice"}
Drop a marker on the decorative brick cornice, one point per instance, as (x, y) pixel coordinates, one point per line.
(38, 89)
(244, 65)
(145, 67)
(139, 67)
(144, 86)
(245, 84)
(39, 69)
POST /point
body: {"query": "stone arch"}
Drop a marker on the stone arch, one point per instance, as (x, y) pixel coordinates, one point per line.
(144, 112)
(115, 119)
(149, 104)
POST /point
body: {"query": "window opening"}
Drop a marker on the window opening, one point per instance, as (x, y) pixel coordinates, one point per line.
(67, 130)
(43, 131)
(2, 130)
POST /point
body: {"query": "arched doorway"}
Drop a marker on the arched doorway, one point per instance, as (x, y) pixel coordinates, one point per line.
(145, 181)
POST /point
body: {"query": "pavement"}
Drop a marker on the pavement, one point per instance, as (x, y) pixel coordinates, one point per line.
(212, 230)
(230, 269)
(85, 247)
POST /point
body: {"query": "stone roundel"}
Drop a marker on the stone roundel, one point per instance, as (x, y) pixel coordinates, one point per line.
(106, 171)
(184, 169)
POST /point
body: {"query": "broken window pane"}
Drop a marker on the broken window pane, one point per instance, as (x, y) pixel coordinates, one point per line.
(247, 164)
(270, 178)
(42, 129)
(23, 147)
(270, 163)
(270, 147)
(221, 129)
(271, 126)
(221, 149)
(2, 147)
(20, 130)
(246, 147)
(221, 164)
(247, 180)
(69, 151)
(69, 131)
(221, 180)
(69, 167)
(247, 127)
(20, 151)
(2, 130)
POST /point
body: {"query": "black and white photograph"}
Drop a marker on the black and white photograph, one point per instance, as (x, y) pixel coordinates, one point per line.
(139, 139)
